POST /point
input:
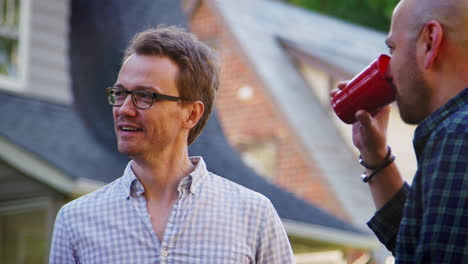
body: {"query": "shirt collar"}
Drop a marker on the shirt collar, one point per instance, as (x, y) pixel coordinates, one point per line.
(193, 181)
(198, 174)
(429, 124)
(130, 182)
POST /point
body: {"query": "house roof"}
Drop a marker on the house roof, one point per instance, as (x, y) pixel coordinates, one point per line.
(78, 140)
(261, 28)
(56, 134)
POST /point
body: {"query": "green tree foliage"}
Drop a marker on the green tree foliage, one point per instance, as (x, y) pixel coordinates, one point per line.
(371, 13)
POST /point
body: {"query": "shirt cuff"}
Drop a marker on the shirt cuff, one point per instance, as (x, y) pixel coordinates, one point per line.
(386, 221)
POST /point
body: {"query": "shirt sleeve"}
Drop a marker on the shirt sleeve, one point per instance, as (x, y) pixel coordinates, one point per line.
(61, 250)
(273, 244)
(444, 231)
(386, 221)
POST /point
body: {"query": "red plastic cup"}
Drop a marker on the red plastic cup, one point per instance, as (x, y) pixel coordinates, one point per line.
(366, 91)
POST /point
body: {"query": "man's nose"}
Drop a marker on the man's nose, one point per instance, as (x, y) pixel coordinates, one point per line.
(127, 108)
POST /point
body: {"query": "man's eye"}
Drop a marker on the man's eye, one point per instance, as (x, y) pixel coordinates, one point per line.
(144, 95)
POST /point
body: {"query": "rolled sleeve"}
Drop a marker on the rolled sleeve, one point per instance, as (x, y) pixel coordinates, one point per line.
(386, 221)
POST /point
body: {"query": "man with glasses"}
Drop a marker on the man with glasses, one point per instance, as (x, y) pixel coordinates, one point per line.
(167, 208)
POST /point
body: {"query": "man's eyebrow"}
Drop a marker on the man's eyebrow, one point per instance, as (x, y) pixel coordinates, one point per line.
(140, 87)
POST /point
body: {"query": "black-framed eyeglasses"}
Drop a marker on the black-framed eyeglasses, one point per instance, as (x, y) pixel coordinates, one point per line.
(141, 99)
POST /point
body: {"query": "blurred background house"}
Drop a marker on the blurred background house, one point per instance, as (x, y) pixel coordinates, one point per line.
(278, 65)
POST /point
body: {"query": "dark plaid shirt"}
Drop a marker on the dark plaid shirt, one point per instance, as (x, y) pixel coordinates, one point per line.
(428, 222)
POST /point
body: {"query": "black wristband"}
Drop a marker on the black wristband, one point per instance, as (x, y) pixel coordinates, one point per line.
(389, 158)
(367, 166)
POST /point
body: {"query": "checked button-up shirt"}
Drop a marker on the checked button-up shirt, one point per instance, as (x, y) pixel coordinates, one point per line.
(213, 221)
(428, 222)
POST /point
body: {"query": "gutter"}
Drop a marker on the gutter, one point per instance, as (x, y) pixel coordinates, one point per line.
(330, 235)
(44, 172)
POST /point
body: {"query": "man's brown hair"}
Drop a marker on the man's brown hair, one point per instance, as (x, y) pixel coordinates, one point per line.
(198, 77)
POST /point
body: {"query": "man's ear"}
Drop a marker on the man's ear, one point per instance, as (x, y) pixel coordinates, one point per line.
(430, 42)
(194, 113)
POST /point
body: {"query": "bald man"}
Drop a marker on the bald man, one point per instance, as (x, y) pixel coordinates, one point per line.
(427, 222)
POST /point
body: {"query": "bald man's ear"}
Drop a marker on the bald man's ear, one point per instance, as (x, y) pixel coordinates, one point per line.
(430, 42)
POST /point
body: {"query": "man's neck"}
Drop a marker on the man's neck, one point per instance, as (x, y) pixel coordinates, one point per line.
(441, 96)
(160, 174)
(449, 79)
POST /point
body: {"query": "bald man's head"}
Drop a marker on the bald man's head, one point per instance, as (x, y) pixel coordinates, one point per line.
(451, 14)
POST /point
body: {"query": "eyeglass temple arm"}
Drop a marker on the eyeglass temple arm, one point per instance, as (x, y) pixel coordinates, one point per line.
(167, 97)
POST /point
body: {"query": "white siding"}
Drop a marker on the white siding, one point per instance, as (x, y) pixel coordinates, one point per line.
(48, 67)
(15, 185)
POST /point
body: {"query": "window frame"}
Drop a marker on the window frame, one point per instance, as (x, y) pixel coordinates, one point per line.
(18, 83)
(30, 204)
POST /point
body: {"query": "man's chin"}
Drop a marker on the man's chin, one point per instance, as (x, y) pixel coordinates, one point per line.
(410, 119)
(408, 114)
(128, 151)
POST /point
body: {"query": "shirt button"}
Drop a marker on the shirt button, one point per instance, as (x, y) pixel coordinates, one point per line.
(164, 253)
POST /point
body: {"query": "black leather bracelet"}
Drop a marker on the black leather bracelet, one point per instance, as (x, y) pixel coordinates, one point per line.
(367, 166)
(389, 159)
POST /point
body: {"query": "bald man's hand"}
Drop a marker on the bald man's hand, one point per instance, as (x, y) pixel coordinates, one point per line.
(369, 132)
(370, 135)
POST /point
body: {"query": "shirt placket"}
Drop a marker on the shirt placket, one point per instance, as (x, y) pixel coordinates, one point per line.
(171, 228)
(139, 204)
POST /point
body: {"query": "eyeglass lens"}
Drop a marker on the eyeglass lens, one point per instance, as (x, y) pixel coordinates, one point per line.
(141, 99)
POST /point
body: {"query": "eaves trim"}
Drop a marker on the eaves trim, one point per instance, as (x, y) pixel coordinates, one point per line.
(84, 186)
(35, 167)
(330, 235)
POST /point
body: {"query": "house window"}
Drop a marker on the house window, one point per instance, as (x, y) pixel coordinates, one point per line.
(261, 157)
(320, 82)
(23, 232)
(12, 50)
